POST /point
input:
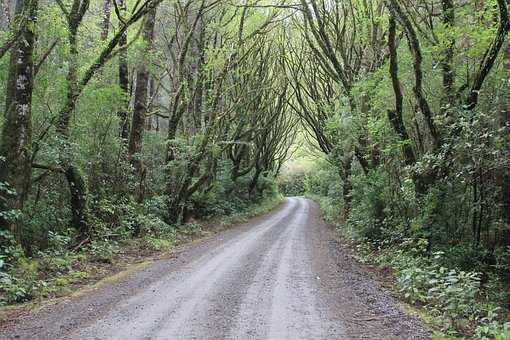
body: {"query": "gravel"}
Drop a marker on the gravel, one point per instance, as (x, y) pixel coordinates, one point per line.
(284, 275)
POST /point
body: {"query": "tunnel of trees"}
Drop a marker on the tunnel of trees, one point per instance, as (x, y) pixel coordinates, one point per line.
(124, 118)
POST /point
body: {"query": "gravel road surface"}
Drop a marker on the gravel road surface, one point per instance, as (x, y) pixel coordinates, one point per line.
(283, 275)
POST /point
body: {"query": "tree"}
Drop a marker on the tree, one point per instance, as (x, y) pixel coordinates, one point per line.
(15, 147)
(141, 103)
(75, 178)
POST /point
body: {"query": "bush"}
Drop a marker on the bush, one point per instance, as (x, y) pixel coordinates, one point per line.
(490, 328)
(292, 184)
(455, 298)
(159, 244)
(368, 213)
(13, 290)
(103, 250)
(10, 252)
(19, 283)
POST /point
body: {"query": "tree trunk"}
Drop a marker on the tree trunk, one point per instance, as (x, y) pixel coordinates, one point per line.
(447, 62)
(414, 46)
(75, 179)
(505, 122)
(123, 82)
(490, 55)
(252, 189)
(79, 200)
(140, 104)
(15, 147)
(105, 24)
(345, 174)
(420, 182)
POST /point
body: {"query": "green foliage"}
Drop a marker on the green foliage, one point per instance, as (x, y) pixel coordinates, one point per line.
(451, 296)
(159, 244)
(454, 283)
(6, 191)
(368, 214)
(292, 184)
(13, 290)
(445, 291)
(103, 250)
(10, 252)
(457, 300)
(490, 328)
(19, 283)
(191, 229)
(331, 208)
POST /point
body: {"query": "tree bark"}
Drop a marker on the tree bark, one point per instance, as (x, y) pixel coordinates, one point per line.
(395, 116)
(105, 24)
(448, 53)
(490, 55)
(75, 178)
(505, 122)
(345, 174)
(140, 104)
(414, 46)
(123, 82)
(15, 147)
(252, 189)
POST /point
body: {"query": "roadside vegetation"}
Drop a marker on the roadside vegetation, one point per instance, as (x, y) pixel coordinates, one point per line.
(455, 299)
(128, 126)
(459, 289)
(59, 269)
(405, 105)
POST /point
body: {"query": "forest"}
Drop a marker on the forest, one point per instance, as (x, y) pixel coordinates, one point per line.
(133, 120)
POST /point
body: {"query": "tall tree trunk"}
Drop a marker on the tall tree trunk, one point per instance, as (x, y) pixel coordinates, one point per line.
(395, 116)
(505, 122)
(123, 82)
(490, 55)
(140, 104)
(15, 147)
(414, 45)
(75, 178)
(105, 23)
(150, 120)
(447, 62)
(252, 188)
(345, 174)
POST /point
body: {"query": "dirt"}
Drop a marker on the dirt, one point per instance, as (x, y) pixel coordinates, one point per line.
(284, 275)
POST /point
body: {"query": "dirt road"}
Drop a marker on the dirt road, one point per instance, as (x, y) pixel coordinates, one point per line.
(280, 276)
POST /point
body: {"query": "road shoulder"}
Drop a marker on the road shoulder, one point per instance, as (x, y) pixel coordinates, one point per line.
(365, 306)
(85, 302)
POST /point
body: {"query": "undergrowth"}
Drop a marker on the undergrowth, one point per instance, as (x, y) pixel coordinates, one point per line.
(457, 303)
(61, 266)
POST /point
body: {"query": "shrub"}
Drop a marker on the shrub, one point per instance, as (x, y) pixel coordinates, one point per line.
(103, 250)
(18, 284)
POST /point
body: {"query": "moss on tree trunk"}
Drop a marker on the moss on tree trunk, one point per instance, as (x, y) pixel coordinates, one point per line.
(15, 147)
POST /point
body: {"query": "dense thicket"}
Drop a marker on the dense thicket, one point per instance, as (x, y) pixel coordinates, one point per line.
(408, 102)
(125, 115)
